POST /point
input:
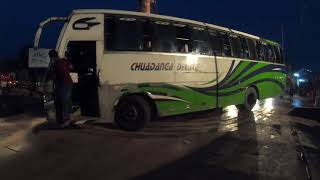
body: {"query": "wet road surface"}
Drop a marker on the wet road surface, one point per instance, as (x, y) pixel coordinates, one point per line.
(209, 145)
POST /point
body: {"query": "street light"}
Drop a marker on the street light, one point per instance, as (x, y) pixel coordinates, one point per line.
(297, 75)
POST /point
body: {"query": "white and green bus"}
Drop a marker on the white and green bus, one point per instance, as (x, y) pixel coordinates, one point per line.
(133, 67)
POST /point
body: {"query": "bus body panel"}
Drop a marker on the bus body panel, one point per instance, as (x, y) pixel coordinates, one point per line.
(179, 91)
(268, 79)
(82, 27)
(133, 68)
(177, 83)
(168, 78)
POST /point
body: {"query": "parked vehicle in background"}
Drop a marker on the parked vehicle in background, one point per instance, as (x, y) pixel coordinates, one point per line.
(7, 80)
(317, 98)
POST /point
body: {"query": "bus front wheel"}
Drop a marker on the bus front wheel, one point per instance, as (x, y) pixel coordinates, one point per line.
(133, 113)
(250, 100)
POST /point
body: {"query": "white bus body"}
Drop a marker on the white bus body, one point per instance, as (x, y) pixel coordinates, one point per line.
(123, 72)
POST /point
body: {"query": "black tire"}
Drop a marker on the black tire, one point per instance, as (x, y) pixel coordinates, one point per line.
(133, 113)
(250, 100)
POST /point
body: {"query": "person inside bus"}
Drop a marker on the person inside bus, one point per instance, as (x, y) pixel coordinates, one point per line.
(63, 88)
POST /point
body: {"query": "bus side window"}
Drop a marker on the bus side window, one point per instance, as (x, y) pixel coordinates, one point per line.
(265, 52)
(123, 34)
(269, 55)
(147, 35)
(260, 51)
(200, 43)
(183, 38)
(236, 46)
(164, 38)
(272, 54)
(226, 45)
(128, 36)
(282, 60)
(244, 48)
(252, 49)
(216, 42)
(277, 54)
(109, 32)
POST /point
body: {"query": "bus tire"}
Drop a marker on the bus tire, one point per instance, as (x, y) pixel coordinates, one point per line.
(133, 113)
(250, 100)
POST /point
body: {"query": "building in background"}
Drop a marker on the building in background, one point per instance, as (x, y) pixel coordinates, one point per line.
(316, 82)
(306, 82)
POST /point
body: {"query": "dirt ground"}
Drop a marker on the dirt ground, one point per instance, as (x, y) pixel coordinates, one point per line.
(265, 144)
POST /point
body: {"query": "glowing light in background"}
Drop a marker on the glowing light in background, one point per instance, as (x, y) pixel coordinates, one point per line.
(301, 81)
(297, 103)
(297, 75)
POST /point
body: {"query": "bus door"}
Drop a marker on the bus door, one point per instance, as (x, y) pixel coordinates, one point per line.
(85, 92)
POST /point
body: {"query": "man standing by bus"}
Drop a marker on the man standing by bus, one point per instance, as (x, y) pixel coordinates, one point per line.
(63, 88)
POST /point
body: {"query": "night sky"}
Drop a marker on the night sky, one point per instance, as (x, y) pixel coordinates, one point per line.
(259, 17)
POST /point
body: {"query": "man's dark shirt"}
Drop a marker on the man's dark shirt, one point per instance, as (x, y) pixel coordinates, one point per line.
(62, 72)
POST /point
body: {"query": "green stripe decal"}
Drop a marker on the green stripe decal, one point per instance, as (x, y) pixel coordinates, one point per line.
(268, 78)
(237, 71)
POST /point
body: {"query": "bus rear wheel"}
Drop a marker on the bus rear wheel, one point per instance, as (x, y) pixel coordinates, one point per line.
(250, 100)
(133, 113)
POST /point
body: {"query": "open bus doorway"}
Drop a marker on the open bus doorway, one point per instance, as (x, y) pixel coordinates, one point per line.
(85, 91)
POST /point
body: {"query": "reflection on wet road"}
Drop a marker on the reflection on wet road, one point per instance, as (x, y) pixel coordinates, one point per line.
(264, 110)
(252, 145)
(211, 121)
(210, 145)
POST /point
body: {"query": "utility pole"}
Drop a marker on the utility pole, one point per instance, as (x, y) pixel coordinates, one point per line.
(282, 37)
(147, 6)
(282, 44)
